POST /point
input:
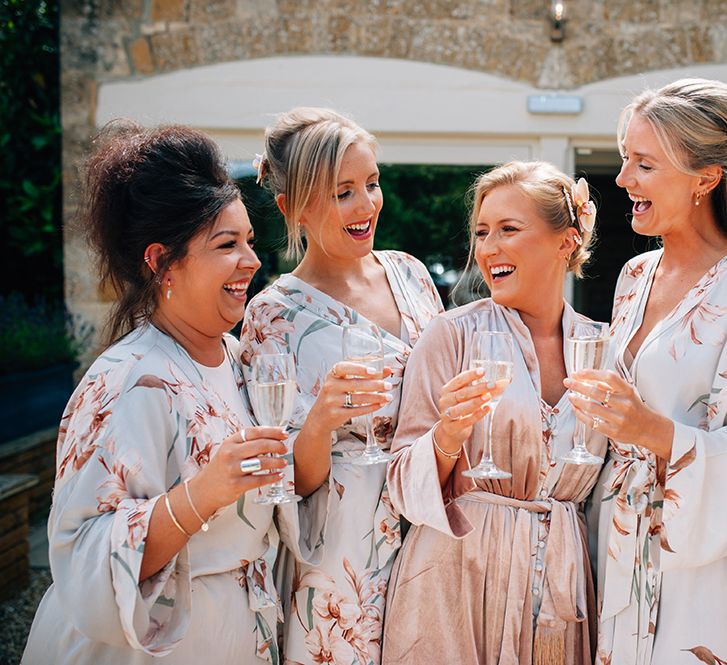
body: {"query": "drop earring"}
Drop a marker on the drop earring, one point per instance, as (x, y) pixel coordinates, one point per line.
(169, 289)
(699, 196)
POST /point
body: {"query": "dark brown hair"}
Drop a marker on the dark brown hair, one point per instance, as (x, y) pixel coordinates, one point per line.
(144, 186)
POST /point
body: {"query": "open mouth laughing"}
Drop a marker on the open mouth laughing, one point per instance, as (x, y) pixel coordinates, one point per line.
(501, 272)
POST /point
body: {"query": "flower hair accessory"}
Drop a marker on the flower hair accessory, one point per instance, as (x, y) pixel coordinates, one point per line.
(582, 210)
(260, 165)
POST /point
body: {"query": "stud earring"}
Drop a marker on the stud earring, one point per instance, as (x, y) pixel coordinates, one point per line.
(169, 289)
(699, 196)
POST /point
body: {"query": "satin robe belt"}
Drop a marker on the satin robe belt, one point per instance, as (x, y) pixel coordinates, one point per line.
(629, 485)
(264, 602)
(564, 581)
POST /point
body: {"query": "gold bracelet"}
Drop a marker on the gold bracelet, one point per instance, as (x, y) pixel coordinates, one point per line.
(173, 518)
(456, 455)
(205, 525)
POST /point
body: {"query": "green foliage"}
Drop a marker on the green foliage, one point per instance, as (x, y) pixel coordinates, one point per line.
(426, 210)
(39, 335)
(30, 148)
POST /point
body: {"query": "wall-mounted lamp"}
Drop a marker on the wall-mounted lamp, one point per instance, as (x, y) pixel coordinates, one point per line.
(558, 18)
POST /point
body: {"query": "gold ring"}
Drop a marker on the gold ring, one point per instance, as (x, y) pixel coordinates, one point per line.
(607, 397)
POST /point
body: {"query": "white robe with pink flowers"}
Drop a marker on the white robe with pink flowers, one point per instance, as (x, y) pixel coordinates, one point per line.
(662, 545)
(334, 608)
(142, 420)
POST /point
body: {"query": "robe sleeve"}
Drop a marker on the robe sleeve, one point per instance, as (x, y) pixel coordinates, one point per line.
(412, 476)
(695, 493)
(112, 469)
(302, 526)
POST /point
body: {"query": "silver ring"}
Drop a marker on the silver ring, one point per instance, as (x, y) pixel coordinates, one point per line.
(243, 436)
(596, 422)
(347, 401)
(250, 465)
(607, 397)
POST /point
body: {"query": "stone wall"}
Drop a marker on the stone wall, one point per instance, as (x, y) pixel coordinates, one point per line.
(106, 40)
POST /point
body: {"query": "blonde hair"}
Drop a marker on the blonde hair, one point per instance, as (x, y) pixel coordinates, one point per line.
(303, 154)
(689, 118)
(544, 185)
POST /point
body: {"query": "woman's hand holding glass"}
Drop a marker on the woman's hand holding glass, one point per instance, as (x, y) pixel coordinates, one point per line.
(365, 388)
(463, 402)
(605, 401)
(221, 482)
(363, 344)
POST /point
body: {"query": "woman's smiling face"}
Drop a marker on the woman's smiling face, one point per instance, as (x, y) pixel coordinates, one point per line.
(344, 226)
(663, 195)
(520, 256)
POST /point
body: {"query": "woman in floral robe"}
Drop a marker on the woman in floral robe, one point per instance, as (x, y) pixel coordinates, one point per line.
(334, 607)
(497, 571)
(662, 533)
(156, 547)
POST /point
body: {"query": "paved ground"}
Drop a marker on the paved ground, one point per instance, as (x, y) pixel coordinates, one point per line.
(17, 614)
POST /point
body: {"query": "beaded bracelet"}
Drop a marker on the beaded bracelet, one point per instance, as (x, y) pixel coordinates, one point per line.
(173, 518)
(456, 455)
(205, 523)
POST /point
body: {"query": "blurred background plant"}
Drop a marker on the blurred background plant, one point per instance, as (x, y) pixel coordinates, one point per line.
(39, 334)
(30, 150)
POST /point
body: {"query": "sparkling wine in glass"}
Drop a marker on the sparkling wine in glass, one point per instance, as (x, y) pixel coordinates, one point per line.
(273, 397)
(362, 344)
(587, 348)
(493, 352)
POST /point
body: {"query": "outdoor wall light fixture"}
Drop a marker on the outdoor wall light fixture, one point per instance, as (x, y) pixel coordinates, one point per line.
(558, 18)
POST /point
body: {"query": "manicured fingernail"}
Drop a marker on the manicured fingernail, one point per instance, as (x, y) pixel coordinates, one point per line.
(491, 385)
(388, 385)
(479, 371)
(371, 370)
(388, 398)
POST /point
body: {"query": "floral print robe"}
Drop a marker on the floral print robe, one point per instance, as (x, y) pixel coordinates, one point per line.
(141, 421)
(662, 540)
(334, 607)
(493, 572)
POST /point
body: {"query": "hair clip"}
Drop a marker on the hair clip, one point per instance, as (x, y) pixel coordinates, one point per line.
(259, 165)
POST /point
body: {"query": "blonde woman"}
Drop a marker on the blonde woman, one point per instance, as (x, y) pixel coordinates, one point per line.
(662, 537)
(322, 170)
(497, 571)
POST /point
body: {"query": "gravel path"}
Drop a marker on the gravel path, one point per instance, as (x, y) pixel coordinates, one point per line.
(17, 614)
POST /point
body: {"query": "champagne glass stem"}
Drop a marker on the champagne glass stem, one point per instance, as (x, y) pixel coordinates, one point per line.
(580, 435)
(372, 445)
(488, 448)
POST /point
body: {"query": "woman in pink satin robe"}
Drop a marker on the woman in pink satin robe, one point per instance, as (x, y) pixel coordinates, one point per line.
(497, 571)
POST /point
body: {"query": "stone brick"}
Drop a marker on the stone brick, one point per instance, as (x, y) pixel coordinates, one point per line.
(715, 10)
(174, 50)
(140, 55)
(628, 11)
(204, 11)
(169, 10)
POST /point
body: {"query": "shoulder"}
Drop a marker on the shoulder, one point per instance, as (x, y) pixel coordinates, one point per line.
(454, 322)
(404, 260)
(637, 266)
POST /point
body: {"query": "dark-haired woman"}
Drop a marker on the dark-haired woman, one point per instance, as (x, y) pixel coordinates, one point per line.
(154, 549)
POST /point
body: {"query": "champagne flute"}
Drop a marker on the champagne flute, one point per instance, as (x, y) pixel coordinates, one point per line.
(587, 348)
(273, 396)
(362, 344)
(493, 352)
